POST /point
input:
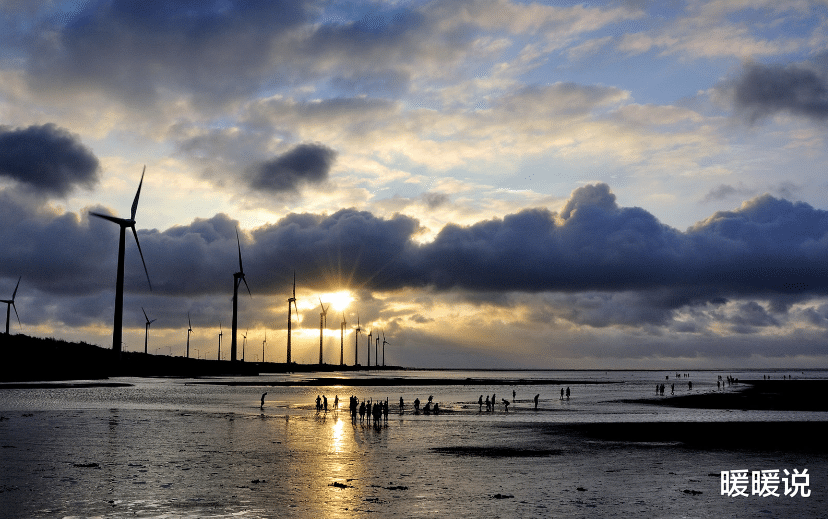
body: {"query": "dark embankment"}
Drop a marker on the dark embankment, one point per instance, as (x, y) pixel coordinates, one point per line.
(756, 395)
(36, 359)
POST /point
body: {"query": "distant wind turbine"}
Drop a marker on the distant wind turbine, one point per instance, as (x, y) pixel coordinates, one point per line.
(356, 342)
(342, 341)
(117, 327)
(243, 343)
(384, 342)
(237, 278)
(376, 351)
(189, 331)
(220, 334)
(323, 318)
(146, 329)
(10, 304)
(263, 346)
(290, 300)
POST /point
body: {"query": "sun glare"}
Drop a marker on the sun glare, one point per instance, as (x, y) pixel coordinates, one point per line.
(338, 300)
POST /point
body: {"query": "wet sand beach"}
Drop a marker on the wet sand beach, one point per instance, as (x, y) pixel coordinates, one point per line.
(165, 448)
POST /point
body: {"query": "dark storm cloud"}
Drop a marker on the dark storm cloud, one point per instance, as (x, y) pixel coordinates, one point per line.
(304, 164)
(616, 265)
(133, 48)
(46, 159)
(763, 90)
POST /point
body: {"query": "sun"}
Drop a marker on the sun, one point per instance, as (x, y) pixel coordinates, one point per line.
(338, 300)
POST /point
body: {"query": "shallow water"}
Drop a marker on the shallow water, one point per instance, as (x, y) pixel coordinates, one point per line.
(180, 448)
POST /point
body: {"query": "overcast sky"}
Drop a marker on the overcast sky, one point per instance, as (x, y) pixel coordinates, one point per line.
(492, 183)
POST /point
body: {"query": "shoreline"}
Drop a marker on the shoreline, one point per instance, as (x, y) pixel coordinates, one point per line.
(757, 395)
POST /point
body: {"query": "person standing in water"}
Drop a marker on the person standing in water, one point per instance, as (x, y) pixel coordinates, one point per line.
(536, 401)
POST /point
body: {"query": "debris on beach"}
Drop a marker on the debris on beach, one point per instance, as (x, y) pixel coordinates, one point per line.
(337, 484)
(87, 465)
(503, 496)
(692, 492)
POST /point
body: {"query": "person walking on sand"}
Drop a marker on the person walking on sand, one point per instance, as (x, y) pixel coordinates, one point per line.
(480, 404)
(562, 393)
(567, 392)
(336, 402)
(506, 404)
(263, 395)
(488, 404)
(318, 403)
(325, 400)
(536, 401)
(514, 394)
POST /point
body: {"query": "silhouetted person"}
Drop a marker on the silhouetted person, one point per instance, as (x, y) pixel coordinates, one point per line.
(506, 404)
(536, 401)
(480, 404)
(362, 411)
(336, 402)
(488, 404)
(562, 393)
(325, 400)
(690, 385)
(417, 404)
(567, 393)
(402, 404)
(318, 403)
(436, 408)
(263, 395)
(672, 389)
(514, 394)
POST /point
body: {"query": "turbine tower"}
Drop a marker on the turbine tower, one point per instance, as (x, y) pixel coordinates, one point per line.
(189, 331)
(376, 351)
(238, 277)
(342, 341)
(117, 327)
(244, 342)
(263, 345)
(146, 329)
(220, 334)
(290, 300)
(369, 348)
(323, 318)
(356, 342)
(10, 304)
(384, 342)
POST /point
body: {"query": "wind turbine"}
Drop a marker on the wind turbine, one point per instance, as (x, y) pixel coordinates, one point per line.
(146, 329)
(263, 345)
(290, 300)
(220, 334)
(323, 318)
(356, 342)
(342, 341)
(189, 331)
(236, 282)
(10, 304)
(117, 327)
(369, 348)
(376, 351)
(384, 342)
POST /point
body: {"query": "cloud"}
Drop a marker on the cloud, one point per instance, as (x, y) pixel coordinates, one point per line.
(137, 50)
(47, 159)
(798, 89)
(302, 165)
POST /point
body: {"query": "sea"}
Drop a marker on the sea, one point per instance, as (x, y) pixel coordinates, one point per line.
(207, 447)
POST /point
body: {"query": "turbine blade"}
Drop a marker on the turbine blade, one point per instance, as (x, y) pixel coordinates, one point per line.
(114, 219)
(135, 233)
(145, 314)
(16, 287)
(138, 194)
(18, 315)
(189, 322)
(246, 285)
(241, 269)
(294, 284)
